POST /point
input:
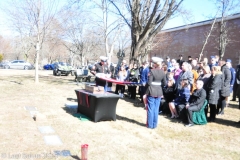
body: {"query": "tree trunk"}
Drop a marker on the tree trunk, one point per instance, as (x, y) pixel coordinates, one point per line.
(36, 60)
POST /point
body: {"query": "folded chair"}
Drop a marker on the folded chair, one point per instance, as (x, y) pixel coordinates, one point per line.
(200, 116)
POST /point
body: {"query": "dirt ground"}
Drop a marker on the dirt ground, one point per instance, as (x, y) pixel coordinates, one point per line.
(127, 138)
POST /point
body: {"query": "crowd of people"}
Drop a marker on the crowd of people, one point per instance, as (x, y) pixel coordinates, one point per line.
(180, 86)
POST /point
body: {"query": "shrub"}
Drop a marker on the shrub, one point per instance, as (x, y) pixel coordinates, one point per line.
(1, 57)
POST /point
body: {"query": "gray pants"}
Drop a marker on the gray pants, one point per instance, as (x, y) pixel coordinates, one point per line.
(190, 111)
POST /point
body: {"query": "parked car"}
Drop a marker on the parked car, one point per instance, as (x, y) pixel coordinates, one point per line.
(62, 68)
(48, 66)
(18, 64)
(2, 64)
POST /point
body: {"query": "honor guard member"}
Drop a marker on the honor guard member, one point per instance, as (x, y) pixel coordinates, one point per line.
(101, 67)
(157, 80)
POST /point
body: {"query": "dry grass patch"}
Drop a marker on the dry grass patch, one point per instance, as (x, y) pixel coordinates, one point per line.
(125, 138)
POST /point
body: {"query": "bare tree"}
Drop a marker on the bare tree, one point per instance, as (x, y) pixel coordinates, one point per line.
(31, 18)
(74, 38)
(5, 47)
(227, 8)
(109, 25)
(207, 37)
(73, 21)
(147, 19)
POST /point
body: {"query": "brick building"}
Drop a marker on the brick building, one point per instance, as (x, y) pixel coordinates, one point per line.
(188, 40)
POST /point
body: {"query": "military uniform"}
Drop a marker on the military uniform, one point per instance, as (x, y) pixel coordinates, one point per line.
(101, 68)
(157, 79)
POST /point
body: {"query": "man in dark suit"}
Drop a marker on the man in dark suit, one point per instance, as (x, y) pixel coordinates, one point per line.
(180, 61)
(195, 102)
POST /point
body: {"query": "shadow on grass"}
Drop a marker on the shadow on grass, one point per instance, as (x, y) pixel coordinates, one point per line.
(72, 99)
(75, 157)
(20, 83)
(234, 106)
(71, 111)
(136, 102)
(47, 79)
(118, 117)
(227, 122)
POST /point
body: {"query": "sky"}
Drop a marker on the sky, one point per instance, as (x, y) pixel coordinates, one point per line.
(199, 9)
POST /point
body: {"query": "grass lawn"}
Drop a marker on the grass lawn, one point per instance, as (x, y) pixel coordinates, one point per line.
(127, 138)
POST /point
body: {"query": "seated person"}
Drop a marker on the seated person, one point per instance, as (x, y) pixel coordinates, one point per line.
(195, 102)
(182, 97)
(169, 92)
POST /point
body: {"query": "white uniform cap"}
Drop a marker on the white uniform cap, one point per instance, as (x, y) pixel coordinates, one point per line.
(103, 58)
(156, 59)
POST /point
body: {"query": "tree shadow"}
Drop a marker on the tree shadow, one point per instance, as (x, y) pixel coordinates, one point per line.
(118, 117)
(20, 83)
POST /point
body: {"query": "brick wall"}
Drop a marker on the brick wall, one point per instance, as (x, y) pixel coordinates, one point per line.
(189, 41)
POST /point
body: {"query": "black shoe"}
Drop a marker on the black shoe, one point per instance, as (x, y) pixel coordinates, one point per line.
(211, 120)
(189, 125)
(221, 113)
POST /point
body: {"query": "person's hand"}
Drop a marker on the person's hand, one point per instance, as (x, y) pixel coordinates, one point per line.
(187, 105)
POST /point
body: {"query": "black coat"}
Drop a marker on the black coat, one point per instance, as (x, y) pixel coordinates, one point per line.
(157, 76)
(213, 88)
(197, 98)
(133, 75)
(112, 69)
(169, 93)
(101, 68)
(226, 78)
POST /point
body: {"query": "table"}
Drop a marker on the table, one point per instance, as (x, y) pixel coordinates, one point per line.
(100, 106)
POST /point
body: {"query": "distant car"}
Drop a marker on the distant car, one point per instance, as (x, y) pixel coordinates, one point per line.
(18, 64)
(62, 68)
(48, 66)
(2, 64)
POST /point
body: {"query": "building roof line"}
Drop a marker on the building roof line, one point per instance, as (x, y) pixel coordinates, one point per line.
(202, 23)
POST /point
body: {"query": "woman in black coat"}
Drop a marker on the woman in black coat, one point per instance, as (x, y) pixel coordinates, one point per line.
(169, 93)
(213, 91)
(133, 77)
(225, 88)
